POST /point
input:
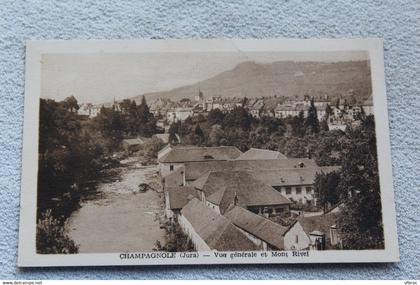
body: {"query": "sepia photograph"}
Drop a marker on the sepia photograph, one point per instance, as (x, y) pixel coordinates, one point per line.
(206, 151)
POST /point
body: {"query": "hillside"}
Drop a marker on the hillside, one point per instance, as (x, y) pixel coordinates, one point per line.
(282, 79)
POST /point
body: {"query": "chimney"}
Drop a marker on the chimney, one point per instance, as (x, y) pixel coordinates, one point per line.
(235, 200)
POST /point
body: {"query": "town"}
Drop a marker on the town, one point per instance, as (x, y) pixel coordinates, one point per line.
(339, 112)
(225, 199)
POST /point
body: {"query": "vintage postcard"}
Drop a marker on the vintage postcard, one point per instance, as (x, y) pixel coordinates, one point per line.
(206, 152)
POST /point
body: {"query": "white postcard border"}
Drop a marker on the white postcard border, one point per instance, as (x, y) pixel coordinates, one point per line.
(27, 256)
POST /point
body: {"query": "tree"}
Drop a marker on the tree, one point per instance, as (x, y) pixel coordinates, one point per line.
(71, 104)
(146, 120)
(360, 222)
(326, 187)
(216, 135)
(238, 117)
(125, 106)
(215, 116)
(297, 124)
(312, 122)
(198, 136)
(173, 130)
(324, 125)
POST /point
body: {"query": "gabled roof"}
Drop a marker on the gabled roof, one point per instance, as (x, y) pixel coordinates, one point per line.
(194, 153)
(135, 141)
(222, 187)
(292, 176)
(194, 170)
(180, 196)
(214, 229)
(260, 227)
(175, 178)
(256, 154)
(320, 223)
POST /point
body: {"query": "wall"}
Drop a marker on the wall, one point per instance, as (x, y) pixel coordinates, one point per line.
(199, 243)
(165, 168)
(394, 20)
(290, 238)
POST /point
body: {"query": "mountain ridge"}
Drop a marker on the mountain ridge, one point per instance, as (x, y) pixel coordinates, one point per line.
(281, 78)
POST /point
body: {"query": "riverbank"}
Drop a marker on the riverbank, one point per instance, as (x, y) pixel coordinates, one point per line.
(119, 217)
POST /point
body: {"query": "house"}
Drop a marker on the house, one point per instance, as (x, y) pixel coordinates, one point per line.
(179, 114)
(176, 197)
(259, 154)
(175, 178)
(88, 109)
(266, 234)
(255, 107)
(172, 157)
(322, 231)
(165, 137)
(209, 230)
(220, 190)
(196, 169)
(297, 184)
(132, 145)
(294, 178)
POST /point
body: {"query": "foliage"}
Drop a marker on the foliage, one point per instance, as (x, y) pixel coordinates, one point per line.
(51, 237)
(149, 150)
(360, 223)
(68, 155)
(175, 240)
(312, 122)
(326, 187)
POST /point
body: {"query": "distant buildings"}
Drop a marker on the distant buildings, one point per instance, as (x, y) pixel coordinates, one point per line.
(132, 145)
(178, 114)
(88, 109)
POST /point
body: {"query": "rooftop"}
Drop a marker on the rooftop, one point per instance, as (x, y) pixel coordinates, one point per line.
(194, 170)
(221, 188)
(264, 229)
(135, 141)
(256, 154)
(292, 176)
(179, 196)
(214, 229)
(321, 223)
(194, 153)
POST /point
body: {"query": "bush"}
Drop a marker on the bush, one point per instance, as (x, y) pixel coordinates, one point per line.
(175, 240)
(51, 237)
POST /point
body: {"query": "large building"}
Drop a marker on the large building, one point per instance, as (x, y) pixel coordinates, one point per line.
(261, 154)
(209, 230)
(172, 158)
(294, 178)
(266, 234)
(224, 189)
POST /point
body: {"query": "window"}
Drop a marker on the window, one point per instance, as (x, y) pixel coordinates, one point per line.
(171, 167)
(308, 190)
(298, 190)
(297, 239)
(288, 190)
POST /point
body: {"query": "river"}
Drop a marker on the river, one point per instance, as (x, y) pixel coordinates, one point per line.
(118, 217)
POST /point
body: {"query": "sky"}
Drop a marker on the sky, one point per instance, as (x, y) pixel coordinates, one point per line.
(102, 77)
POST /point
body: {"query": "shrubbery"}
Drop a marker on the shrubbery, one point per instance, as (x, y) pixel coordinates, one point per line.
(175, 240)
(51, 237)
